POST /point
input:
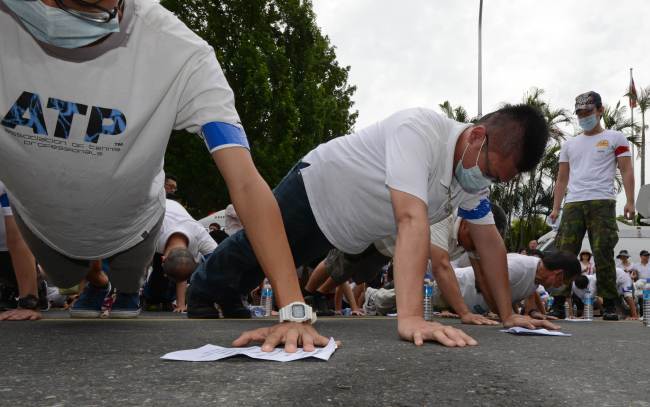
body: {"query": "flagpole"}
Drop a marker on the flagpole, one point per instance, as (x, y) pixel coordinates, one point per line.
(480, 59)
(632, 105)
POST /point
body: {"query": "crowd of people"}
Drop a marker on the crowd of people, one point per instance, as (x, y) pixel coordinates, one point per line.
(411, 189)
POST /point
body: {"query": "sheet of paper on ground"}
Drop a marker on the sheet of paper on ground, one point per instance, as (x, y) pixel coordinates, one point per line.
(210, 353)
(523, 331)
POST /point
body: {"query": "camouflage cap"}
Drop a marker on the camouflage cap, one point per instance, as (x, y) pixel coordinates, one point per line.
(588, 101)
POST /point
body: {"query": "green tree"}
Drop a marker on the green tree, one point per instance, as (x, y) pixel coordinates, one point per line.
(290, 92)
(457, 113)
(530, 195)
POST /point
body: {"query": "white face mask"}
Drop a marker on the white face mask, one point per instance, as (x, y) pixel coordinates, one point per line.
(57, 27)
(471, 179)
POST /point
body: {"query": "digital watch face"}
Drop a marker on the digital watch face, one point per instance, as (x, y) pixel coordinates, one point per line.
(298, 311)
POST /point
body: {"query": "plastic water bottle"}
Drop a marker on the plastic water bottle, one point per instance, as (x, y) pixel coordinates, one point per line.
(428, 301)
(566, 309)
(267, 298)
(646, 304)
(589, 306)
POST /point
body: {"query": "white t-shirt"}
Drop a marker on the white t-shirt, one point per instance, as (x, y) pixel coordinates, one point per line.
(591, 286)
(592, 164)
(83, 132)
(233, 224)
(623, 285)
(521, 274)
(643, 269)
(444, 235)
(412, 151)
(178, 220)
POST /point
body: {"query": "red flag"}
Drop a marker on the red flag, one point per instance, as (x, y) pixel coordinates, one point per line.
(632, 93)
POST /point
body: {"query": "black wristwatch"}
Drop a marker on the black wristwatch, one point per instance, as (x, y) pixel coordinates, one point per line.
(28, 302)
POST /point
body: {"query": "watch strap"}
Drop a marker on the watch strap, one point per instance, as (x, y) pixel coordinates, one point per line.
(28, 302)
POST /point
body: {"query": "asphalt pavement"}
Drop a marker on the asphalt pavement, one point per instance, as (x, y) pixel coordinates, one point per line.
(63, 362)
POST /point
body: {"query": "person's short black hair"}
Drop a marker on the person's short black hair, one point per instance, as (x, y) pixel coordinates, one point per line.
(535, 252)
(520, 130)
(566, 261)
(179, 264)
(582, 282)
(171, 177)
(500, 219)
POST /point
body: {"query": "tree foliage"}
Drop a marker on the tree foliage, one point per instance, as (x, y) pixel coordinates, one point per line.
(290, 92)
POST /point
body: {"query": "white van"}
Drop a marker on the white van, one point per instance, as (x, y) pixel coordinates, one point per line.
(631, 238)
(216, 217)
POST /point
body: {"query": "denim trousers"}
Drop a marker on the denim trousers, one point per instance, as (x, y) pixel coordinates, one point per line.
(232, 269)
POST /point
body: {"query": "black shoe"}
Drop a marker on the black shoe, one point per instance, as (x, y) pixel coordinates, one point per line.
(8, 298)
(557, 310)
(609, 310)
(235, 310)
(43, 302)
(199, 308)
(321, 305)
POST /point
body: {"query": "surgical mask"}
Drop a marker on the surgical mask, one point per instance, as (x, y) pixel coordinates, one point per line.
(588, 123)
(55, 26)
(471, 179)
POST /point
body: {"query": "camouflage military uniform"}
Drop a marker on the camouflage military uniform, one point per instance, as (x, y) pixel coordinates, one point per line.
(598, 219)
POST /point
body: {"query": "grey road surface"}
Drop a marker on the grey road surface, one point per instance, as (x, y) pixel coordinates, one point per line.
(64, 362)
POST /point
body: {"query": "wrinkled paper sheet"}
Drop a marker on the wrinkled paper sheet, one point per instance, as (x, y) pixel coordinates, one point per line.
(210, 353)
(516, 330)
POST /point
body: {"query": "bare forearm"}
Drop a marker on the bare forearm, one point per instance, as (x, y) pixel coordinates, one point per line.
(450, 289)
(630, 303)
(481, 284)
(409, 265)
(21, 258)
(628, 185)
(492, 254)
(349, 295)
(558, 193)
(181, 287)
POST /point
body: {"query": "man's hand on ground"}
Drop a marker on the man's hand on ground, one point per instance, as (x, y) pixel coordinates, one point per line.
(476, 319)
(527, 322)
(538, 315)
(291, 334)
(20, 315)
(417, 330)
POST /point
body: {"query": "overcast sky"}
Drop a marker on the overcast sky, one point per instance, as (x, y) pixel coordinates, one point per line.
(410, 53)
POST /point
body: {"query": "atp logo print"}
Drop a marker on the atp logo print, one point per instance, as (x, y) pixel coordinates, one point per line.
(27, 111)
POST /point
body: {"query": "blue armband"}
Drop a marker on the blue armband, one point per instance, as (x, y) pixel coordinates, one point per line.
(479, 212)
(219, 134)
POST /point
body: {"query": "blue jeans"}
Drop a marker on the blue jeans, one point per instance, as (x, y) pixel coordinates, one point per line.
(232, 269)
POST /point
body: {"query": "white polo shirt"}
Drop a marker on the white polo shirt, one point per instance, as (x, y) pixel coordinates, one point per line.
(412, 151)
(83, 132)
